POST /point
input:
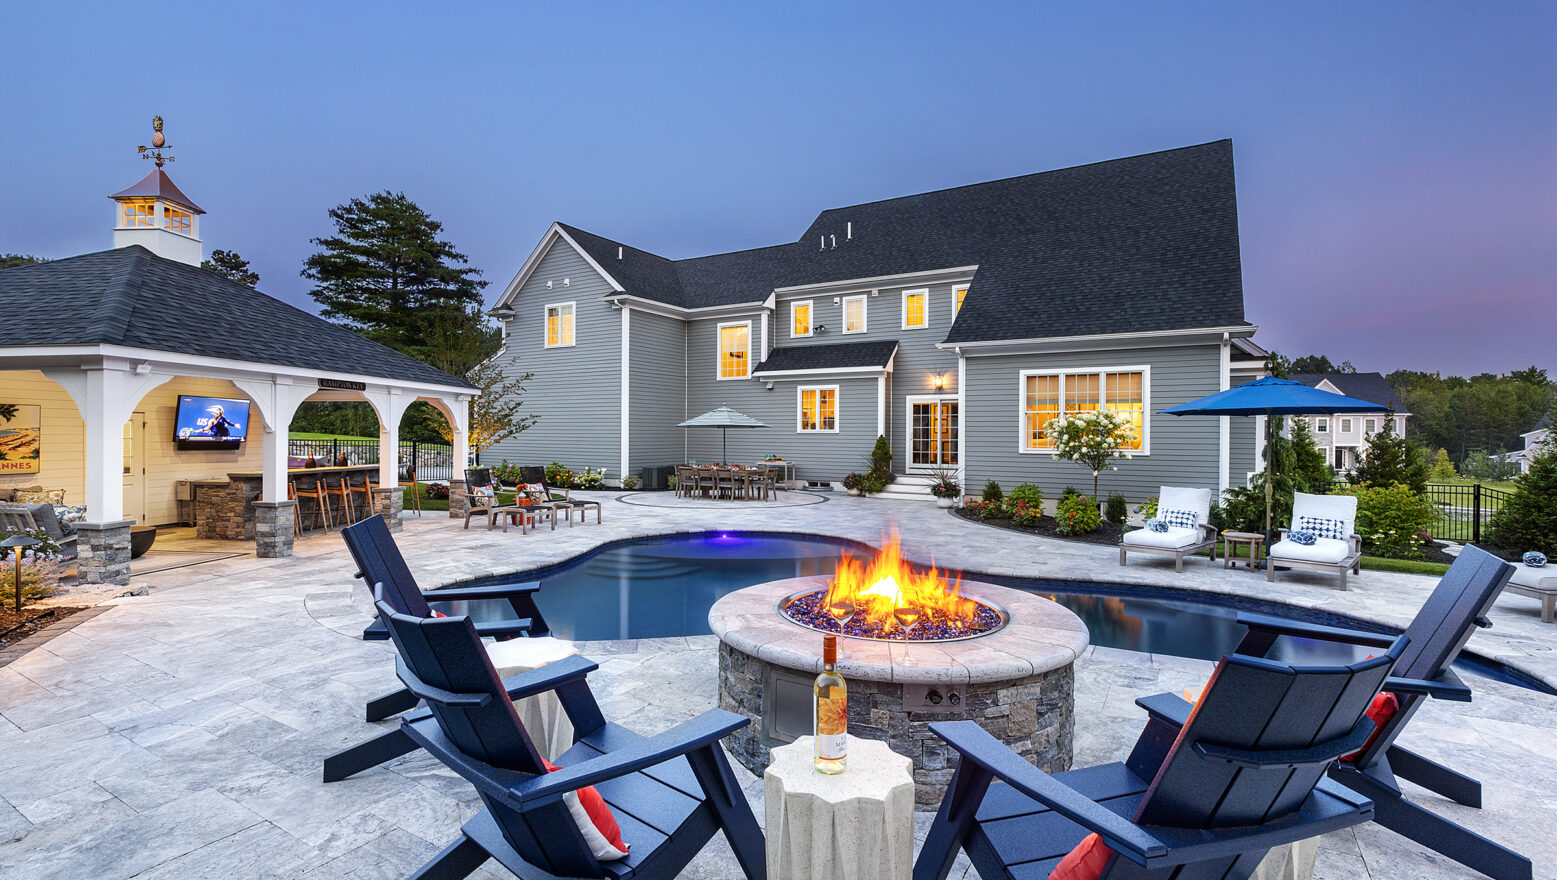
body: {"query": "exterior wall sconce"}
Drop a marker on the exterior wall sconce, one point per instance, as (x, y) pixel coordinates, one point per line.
(938, 380)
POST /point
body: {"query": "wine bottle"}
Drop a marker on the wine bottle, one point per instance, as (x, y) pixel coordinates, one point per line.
(831, 718)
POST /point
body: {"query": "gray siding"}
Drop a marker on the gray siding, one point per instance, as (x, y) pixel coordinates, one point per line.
(576, 390)
(1244, 450)
(1184, 450)
(656, 353)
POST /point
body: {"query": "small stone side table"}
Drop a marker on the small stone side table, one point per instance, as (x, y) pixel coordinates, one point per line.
(855, 825)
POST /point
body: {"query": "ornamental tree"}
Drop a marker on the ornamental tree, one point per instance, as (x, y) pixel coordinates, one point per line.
(1093, 440)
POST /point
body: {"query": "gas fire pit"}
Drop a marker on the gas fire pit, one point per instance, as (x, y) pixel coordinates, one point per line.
(978, 651)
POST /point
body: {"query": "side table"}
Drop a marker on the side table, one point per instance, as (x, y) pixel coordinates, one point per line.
(854, 825)
(1230, 542)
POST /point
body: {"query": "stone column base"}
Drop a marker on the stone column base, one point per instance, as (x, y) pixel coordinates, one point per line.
(456, 499)
(103, 552)
(274, 528)
(389, 502)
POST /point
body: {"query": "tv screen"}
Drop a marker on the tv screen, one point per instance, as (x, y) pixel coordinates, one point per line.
(211, 419)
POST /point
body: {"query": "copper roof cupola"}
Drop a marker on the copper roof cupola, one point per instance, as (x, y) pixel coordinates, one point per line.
(155, 213)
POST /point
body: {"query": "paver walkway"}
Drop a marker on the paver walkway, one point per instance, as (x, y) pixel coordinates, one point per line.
(180, 734)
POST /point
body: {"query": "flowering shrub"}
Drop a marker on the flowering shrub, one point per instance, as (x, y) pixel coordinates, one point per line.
(1077, 515)
(508, 474)
(558, 475)
(591, 478)
(854, 482)
(438, 491)
(45, 548)
(1393, 520)
(1023, 513)
(1148, 508)
(42, 573)
(984, 509)
(1092, 440)
(945, 485)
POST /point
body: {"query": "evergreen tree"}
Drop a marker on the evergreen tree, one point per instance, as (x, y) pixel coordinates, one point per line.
(234, 267)
(1528, 520)
(1443, 468)
(387, 275)
(11, 261)
(1391, 459)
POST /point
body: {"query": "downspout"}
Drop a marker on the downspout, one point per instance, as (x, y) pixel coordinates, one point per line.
(962, 418)
(1224, 429)
(626, 389)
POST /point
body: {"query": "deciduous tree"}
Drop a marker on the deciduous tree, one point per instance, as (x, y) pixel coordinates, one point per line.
(495, 414)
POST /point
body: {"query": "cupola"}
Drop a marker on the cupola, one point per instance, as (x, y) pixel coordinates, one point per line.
(155, 214)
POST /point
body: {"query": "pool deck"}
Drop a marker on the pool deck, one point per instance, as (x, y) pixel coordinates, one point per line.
(179, 734)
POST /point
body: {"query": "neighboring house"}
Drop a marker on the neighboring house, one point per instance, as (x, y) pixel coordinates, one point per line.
(956, 323)
(1343, 438)
(1533, 439)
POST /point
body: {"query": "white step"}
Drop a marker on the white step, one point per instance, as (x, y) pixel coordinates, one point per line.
(909, 487)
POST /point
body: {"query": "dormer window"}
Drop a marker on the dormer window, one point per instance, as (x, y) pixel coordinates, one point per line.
(139, 213)
(176, 221)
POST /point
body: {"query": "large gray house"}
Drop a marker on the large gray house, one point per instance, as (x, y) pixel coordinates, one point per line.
(956, 323)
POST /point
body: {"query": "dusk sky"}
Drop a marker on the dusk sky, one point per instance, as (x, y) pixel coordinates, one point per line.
(1396, 164)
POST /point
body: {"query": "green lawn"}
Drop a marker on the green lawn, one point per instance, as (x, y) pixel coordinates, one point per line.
(429, 503)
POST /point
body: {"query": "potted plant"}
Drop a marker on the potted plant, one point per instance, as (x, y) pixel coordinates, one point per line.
(946, 489)
(854, 483)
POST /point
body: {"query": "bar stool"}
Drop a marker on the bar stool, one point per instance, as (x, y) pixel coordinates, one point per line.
(297, 519)
(315, 492)
(341, 490)
(366, 491)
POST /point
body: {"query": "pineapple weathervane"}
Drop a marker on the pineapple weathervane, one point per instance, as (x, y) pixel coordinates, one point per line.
(157, 143)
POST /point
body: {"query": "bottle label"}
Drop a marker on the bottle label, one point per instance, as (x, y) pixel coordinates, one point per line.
(832, 746)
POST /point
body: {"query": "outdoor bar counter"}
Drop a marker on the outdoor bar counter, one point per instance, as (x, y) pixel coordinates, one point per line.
(225, 511)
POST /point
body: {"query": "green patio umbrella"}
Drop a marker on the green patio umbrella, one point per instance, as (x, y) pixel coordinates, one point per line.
(724, 419)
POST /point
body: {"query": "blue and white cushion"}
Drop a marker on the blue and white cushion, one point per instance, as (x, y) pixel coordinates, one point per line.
(1179, 519)
(1322, 527)
(69, 515)
(1301, 537)
(1535, 559)
(1157, 525)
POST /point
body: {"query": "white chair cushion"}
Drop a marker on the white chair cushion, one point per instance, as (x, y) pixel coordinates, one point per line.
(1177, 498)
(515, 656)
(1543, 578)
(1322, 550)
(1172, 539)
(1341, 507)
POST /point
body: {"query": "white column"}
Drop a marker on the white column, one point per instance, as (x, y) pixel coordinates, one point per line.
(1224, 427)
(106, 396)
(626, 396)
(277, 401)
(962, 418)
(458, 413)
(881, 405)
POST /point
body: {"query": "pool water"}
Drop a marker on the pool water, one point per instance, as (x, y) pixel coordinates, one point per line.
(660, 587)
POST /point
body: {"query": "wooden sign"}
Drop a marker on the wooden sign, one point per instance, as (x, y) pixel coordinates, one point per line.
(343, 384)
(20, 438)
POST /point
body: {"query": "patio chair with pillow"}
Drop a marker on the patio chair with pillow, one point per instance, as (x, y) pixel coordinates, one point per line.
(565, 496)
(1206, 794)
(37, 516)
(1182, 526)
(1331, 522)
(619, 804)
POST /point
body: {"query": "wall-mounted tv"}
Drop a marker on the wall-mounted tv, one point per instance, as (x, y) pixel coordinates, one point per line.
(211, 422)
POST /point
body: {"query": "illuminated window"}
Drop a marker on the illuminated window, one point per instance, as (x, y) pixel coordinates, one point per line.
(1048, 396)
(854, 314)
(916, 309)
(735, 350)
(818, 409)
(141, 213)
(559, 325)
(960, 292)
(176, 220)
(800, 318)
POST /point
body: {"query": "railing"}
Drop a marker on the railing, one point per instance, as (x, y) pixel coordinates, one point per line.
(426, 461)
(1464, 510)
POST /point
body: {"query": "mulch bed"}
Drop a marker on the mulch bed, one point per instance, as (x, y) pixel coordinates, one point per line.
(1108, 533)
(17, 626)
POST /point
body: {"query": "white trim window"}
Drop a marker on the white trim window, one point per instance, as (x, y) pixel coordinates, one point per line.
(1346, 426)
(1322, 425)
(801, 318)
(959, 293)
(734, 350)
(816, 409)
(1370, 427)
(1045, 395)
(916, 308)
(559, 324)
(1400, 426)
(854, 313)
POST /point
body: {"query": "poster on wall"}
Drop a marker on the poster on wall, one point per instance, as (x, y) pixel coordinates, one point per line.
(20, 438)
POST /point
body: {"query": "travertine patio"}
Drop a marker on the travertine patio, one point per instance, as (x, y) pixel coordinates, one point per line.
(180, 734)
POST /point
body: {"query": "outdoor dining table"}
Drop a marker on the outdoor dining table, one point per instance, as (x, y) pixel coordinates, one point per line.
(720, 482)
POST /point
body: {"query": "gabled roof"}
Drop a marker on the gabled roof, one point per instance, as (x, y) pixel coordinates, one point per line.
(838, 356)
(1141, 244)
(1363, 386)
(129, 296)
(158, 185)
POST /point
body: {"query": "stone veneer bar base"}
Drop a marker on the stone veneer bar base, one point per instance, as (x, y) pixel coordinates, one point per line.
(457, 499)
(273, 528)
(103, 552)
(390, 503)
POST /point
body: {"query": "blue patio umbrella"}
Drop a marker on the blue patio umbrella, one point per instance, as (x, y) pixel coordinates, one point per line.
(724, 419)
(1272, 397)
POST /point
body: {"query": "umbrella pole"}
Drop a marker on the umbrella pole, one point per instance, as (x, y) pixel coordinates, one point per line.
(724, 447)
(1270, 454)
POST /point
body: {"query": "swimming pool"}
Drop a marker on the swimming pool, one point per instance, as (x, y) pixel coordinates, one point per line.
(660, 587)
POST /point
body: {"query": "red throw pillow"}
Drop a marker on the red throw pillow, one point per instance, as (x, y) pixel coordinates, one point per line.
(594, 819)
(1085, 862)
(438, 613)
(1383, 708)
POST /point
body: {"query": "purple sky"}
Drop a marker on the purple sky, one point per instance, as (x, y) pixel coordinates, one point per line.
(1397, 165)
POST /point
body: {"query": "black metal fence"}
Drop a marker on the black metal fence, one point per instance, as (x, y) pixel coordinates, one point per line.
(1464, 510)
(427, 461)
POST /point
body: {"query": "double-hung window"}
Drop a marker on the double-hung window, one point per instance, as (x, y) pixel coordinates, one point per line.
(1346, 426)
(735, 350)
(959, 293)
(800, 318)
(854, 314)
(1322, 426)
(817, 409)
(1370, 427)
(1050, 395)
(559, 325)
(916, 309)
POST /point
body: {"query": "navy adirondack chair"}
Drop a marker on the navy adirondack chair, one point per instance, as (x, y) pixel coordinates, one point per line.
(1202, 797)
(669, 793)
(1439, 631)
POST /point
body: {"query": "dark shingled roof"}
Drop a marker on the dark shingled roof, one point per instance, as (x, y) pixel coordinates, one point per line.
(130, 296)
(158, 185)
(1364, 386)
(827, 357)
(1129, 245)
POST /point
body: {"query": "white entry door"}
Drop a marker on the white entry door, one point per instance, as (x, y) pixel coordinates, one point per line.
(135, 468)
(932, 433)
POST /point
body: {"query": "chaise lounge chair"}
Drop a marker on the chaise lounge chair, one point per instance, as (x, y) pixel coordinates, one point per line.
(1332, 519)
(669, 794)
(1208, 791)
(1179, 540)
(1439, 631)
